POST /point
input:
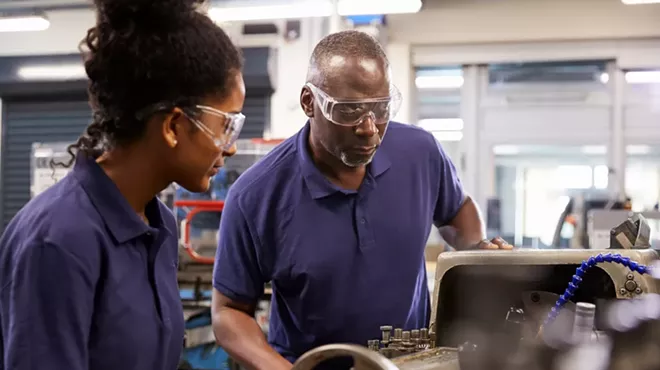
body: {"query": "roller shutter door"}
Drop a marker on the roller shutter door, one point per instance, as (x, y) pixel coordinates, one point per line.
(257, 111)
(27, 122)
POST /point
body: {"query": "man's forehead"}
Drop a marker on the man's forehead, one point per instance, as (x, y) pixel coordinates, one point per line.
(350, 75)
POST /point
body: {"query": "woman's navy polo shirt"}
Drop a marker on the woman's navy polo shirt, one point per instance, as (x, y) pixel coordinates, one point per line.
(342, 263)
(86, 284)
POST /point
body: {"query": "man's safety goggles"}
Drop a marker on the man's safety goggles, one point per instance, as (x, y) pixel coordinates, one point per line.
(352, 112)
(222, 127)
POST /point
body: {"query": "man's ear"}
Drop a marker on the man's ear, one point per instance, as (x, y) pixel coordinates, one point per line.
(307, 101)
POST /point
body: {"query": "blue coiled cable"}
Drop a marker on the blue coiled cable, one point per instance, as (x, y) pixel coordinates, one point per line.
(579, 274)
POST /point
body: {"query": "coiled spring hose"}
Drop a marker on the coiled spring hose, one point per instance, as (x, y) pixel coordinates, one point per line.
(579, 274)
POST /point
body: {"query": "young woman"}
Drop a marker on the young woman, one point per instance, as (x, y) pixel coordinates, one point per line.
(88, 268)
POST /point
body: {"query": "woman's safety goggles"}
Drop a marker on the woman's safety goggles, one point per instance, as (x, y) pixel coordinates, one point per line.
(222, 127)
(352, 112)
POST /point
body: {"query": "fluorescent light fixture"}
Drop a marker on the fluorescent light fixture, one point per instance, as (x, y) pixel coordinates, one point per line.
(307, 9)
(53, 72)
(368, 7)
(24, 23)
(441, 124)
(643, 77)
(311, 9)
(448, 135)
(640, 2)
(439, 82)
(638, 149)
(594, 149)
(506, 150)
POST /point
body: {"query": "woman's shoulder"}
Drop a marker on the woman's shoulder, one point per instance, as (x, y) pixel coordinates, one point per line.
(61, 215)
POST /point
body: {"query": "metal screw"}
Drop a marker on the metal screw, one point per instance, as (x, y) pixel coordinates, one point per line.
(638, 290)
(386, 331)
(622, 291)
(630, 276)
(535, 297)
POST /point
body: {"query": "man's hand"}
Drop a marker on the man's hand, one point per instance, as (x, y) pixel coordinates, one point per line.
(495, 243)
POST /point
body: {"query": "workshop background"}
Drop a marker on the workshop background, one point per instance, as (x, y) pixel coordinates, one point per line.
(546, 107)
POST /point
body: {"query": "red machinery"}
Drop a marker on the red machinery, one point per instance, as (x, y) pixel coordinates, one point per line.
(197, 206)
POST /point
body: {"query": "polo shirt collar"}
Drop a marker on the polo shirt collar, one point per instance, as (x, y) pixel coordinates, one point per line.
(319, 186)
(122, 220)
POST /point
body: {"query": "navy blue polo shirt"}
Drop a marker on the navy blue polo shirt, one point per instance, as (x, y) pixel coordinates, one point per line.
(86, 284)
(342, 263)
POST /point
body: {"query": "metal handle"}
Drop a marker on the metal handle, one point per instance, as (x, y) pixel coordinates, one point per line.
(363, 358)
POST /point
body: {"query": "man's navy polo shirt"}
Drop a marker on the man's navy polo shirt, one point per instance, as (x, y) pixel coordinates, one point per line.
(86, 284)
(342, 263)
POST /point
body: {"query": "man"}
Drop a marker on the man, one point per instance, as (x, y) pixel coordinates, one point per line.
(337, 217)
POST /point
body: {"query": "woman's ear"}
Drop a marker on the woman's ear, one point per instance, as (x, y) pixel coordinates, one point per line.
(171, 127)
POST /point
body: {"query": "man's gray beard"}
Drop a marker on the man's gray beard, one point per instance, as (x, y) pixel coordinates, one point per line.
(344, 158)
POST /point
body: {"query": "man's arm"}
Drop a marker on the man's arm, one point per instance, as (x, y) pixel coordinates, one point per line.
(242, 267)
(466, 230)
(239, 334)
(51, 303)
(456, 215)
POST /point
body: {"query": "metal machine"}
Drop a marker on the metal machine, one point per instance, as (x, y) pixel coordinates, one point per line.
(503, 310)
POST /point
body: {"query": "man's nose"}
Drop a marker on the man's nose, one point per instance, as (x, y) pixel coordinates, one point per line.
(367, 126)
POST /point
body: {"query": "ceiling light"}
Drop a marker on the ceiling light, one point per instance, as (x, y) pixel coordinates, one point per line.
(643, 77)
(53, 72)
(439, 82)
(441, 124)
(24, 23)
(640, 2)
(298, 10)
(369, 7)
(311, 9)
(604, 77)
(594, 149)
(638, 149)
(506, 150)
(448, 135)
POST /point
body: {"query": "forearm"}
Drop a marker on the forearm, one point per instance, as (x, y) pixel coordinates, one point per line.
(467, 228)
(242, 338)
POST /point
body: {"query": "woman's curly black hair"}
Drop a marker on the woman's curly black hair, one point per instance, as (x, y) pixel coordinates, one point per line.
(146, 52)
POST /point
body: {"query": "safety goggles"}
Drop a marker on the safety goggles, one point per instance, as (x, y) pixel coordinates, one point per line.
(352, 112)
(221, 127)
(231, 125)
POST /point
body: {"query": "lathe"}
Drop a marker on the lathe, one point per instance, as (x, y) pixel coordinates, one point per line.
(503, 310)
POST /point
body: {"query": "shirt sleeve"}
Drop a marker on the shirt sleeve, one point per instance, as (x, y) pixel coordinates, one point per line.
(241, 267)
(50, 303)
(450, 189)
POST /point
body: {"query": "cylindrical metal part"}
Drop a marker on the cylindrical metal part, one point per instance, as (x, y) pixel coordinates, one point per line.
(373, 345)
(398, 332)
(405, 336)
(583, 324)
(386, 331)
(424, 333)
